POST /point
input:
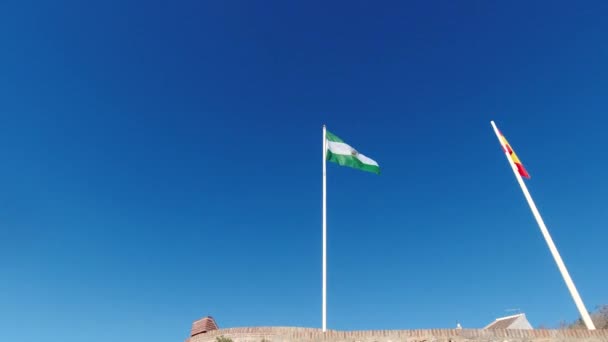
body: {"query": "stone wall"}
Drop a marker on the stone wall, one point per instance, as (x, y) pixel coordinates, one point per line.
(286, 334)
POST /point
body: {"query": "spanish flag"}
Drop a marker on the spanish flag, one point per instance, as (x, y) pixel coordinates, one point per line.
(520, 167)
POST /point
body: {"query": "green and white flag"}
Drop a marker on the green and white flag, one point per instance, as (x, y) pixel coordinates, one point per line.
(340, 152)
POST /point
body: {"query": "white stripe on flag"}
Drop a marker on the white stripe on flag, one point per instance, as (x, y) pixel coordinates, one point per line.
(347, 150)
(340, 148)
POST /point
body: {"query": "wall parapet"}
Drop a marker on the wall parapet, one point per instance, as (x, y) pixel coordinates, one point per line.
(289, 334)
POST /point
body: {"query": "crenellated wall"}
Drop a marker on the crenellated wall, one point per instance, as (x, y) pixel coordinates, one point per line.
(287, 334)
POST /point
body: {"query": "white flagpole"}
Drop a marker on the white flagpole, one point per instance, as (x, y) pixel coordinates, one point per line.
(541, 224)
(324, 234)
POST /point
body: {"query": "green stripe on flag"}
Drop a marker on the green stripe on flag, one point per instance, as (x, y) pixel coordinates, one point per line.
(351, 161)
(332, 137)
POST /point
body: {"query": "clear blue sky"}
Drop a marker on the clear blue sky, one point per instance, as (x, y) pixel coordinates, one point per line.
(161, 161)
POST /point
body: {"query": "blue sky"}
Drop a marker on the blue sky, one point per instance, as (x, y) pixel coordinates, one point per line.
(161, 161)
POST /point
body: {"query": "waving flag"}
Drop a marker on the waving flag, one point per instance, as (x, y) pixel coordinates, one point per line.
(520, 167)
(341, 153)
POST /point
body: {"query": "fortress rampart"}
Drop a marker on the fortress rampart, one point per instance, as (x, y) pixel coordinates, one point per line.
(288, 334)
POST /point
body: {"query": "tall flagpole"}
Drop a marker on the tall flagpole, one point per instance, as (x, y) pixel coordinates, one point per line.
(324, 234)
(541, 224)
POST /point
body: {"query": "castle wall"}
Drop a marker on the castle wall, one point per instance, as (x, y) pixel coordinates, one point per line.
(287, 334)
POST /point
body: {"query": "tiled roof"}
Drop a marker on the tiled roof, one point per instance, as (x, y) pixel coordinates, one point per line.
(203, 325)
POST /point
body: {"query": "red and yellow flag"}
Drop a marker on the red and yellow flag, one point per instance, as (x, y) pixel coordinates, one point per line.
(520, 167)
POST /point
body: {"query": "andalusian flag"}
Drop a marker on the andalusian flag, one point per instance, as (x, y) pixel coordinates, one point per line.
(340, 152)
(520, 167)
(337, 151)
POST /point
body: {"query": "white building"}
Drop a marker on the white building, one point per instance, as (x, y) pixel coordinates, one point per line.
(518, 321)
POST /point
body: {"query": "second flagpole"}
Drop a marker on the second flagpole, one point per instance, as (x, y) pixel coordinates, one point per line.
(543, 228)
(324, 233)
